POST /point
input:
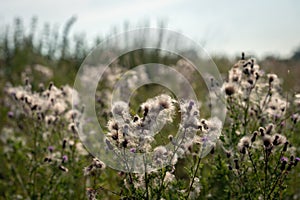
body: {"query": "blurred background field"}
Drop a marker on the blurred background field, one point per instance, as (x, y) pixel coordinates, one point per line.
(47, 52)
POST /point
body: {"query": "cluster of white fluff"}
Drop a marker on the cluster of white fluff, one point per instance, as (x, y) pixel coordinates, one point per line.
(51, 111)
(138, 132)
(248, 84)
(49, 104)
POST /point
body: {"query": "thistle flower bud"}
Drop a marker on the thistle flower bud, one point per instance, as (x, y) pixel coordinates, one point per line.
(294, 118)
(200, 127)
(10, 114)
(133, 150)
(146, 110)
(204, 124)
(64, 158)
(262, 131)
(34, 107)
(284, 161)
(236, 162)
(267, 141)
(115, 136)
(255, 133)
(285, 146)
(72, 128)
(278, 139)
(47, 159)
(171, 138)
(257, 75)
(50, 149)
(246, 71)
(62, 168)
(243, 144)
(98, 163)
(40, 116)
(27, 81)
(243, 56)
(289, 168)
(135, 119)
(243, 150)
(252, 63)
(269, 129)
(125, 143)
(50, 85)
(229, 90)
(250, 81)
(164, 103)
(41, 87)
(228, 154)
(113, 126)
(212, 150)
(296, 161)
(271, 77)
(64, 143)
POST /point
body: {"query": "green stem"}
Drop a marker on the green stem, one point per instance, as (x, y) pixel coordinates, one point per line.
(194, 176)
(254, 167)
(274, 185)
(266, 172)
(146, 179)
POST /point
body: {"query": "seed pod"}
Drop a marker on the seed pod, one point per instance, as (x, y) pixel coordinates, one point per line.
(243, 56)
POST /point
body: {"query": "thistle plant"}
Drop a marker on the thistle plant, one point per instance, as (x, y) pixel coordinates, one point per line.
(137, 133)
(259, 154)
(252, 155)
(42, 139)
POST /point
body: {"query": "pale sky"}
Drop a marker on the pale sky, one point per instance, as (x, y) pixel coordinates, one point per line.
(227, 27)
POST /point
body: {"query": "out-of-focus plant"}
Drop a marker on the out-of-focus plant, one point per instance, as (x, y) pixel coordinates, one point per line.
(43, 158)
(41, 146)
(259, 155)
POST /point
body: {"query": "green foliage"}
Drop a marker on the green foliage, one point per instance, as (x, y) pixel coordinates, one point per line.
(235, 169)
